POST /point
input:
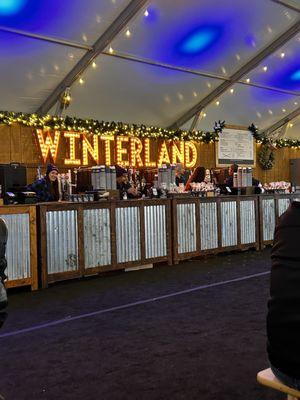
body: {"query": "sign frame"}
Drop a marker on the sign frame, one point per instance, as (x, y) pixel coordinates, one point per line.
(240, 161)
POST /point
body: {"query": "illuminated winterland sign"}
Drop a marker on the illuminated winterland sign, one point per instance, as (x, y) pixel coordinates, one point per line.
(84, 149)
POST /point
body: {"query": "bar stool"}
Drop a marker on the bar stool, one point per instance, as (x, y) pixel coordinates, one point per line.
(267, 378)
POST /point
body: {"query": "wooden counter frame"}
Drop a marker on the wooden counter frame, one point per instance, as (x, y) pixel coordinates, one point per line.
(111, 205)
(31, 211)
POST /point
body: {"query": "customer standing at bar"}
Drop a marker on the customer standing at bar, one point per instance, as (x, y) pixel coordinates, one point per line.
(46, 188)
(283, 319)
(197, 176)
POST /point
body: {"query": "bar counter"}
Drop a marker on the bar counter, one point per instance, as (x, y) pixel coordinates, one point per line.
(80, 239)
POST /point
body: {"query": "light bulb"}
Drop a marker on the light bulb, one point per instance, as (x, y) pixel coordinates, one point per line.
(146, 13)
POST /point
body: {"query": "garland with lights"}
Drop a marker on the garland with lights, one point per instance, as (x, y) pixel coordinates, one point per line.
(120, 128)
(102, 128)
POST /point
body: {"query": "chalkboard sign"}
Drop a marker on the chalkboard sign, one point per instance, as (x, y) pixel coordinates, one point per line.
(235, 146)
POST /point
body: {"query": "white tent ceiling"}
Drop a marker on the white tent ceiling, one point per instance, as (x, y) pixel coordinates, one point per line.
(162, 62)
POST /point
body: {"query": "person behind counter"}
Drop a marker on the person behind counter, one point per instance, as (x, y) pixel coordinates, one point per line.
(234, 169)
(180, 175)
(46, 188)
(124, 187)
(197, 176)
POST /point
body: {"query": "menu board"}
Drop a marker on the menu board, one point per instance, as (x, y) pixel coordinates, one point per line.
(235, 146)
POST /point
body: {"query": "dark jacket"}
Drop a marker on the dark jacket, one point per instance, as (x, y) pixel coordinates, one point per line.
(42, 187)
(283, 319)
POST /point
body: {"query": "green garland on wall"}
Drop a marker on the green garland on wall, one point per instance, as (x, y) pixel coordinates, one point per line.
(266, 157)
(102, 128)
(120, 128)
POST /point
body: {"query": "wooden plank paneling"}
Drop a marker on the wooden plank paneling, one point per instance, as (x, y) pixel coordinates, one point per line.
(18, 143)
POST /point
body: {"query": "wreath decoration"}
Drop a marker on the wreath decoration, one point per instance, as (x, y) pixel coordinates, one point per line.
(266, 157)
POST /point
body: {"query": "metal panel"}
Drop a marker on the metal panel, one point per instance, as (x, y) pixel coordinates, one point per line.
(155, 231)
(62, 241)
(283, 205)
(208, 225)
(128, 234)
(248, 221)
(186, 228)
(228, 223)
(268, 218)
(18, 246)
(97, 244)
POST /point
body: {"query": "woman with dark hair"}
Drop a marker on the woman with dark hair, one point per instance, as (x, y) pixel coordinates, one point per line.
(197, 176)
(46, 188)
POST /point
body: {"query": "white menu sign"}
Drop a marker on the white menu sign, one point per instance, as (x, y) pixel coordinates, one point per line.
(235, 146)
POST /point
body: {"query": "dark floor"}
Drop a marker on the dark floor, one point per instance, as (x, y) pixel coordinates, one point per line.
(205, 344)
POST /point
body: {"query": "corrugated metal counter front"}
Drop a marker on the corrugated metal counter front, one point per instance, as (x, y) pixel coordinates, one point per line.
(79, 239)
(207, 225)
(21, 248)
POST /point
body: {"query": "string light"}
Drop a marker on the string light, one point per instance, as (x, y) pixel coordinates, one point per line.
(146, 13)
(282, 55)
(217, 103)
(231, 91)
(128, 33)
(94, 65)
(81, 81)
(111, 50)
(265, 68)
(248, 80)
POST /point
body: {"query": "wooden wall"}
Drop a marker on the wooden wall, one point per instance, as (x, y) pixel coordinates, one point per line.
(18, 144)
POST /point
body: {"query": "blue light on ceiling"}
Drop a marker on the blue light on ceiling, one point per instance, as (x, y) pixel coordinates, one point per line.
(287, 77)
(200, 40)
(11, 7)
(295, 76)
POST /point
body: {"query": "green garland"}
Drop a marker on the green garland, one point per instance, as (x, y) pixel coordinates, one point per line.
(266, 156)
(102, 128)
(120, 128)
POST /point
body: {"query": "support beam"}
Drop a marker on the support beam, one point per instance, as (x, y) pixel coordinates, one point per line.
(281, 122)
(104, 40)
(147, 61)
(245, 69)
(49, 39)
(286, 3)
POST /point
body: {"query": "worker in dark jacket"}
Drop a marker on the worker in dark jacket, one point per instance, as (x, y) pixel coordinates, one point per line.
(46, 188)
(283, 319)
